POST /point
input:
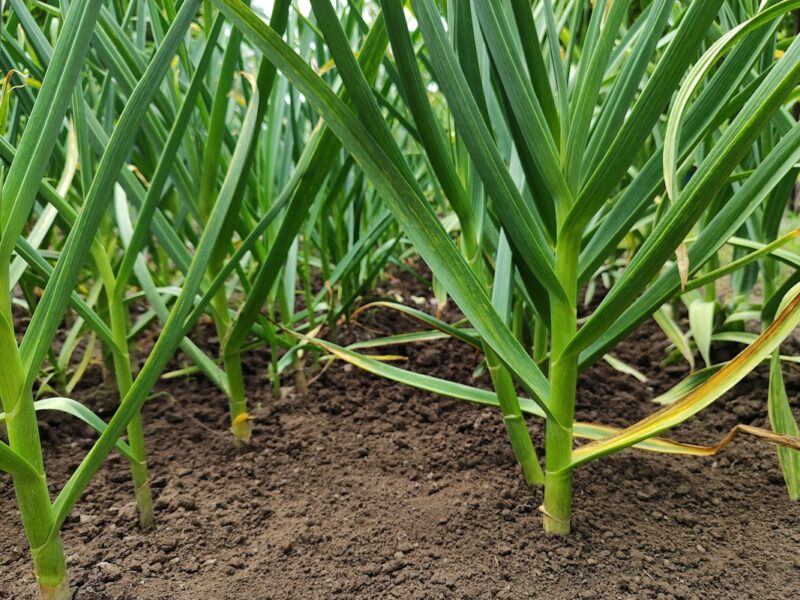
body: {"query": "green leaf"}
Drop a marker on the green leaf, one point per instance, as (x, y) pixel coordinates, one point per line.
(525, 232)
(591, 69)
(686, 385)
(35, 147)
(523, 99)
(710, 177)
(783, 422)
(625, 368)
(49, 314)
(413, 213)
(644, 114)
(13, 464)
(313, 168)
(423, 317)
(672, 330)
(701, 322)
(79, 411)
(696, 75)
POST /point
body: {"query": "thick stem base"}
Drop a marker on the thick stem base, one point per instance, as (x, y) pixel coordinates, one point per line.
(51, 571)
(144, 503)
(557, 507)
(59, 592)
(242, 430)
(139, 471)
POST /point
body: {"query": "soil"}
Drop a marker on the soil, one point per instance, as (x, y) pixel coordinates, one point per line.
(362, 488)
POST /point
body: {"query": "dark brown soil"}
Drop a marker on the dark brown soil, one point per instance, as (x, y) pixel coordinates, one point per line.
(364, 488)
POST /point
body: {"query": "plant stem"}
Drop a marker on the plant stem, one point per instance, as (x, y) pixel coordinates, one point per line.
(563, 386)
(33, 497)
(139, 472)
(512, 417)
(300, 381)
(237, 401)
(124, 376)
(51, 570)
(503, 383)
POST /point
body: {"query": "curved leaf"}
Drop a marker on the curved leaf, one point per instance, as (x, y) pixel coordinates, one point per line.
(705, 394)
(81, 412)
(413, 212)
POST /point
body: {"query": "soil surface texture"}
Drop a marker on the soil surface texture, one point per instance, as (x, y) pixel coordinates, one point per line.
(363, 488)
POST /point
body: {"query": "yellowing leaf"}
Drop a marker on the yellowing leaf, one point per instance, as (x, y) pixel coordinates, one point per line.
(706, 393)
(242, 418)
(5, 98)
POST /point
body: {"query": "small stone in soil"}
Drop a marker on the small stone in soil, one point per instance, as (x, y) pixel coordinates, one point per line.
(109, 572)
(191, 566)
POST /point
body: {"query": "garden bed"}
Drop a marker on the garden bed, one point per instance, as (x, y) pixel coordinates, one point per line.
(364, 488)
